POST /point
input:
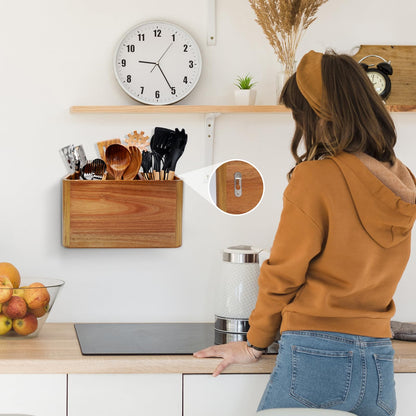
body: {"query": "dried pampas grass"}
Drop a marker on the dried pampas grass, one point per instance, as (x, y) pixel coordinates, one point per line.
(284, 22)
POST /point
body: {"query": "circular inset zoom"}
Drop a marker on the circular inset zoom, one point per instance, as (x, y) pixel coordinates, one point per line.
(236, 187)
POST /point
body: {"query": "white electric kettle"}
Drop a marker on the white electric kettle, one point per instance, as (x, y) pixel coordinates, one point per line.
(237, 291)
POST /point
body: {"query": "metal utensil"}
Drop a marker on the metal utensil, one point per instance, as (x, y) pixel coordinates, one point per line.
(100, 168)
(79, 154)
(136, 161)
(87, 172)
(118, 159)
(67, 154)
(77, 170)
(94, 170)
(71, 154)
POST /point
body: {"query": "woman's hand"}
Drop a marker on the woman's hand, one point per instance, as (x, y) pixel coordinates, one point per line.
(232, 353)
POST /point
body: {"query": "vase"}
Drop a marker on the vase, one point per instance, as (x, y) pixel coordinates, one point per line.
(283, 74)
(245, 97)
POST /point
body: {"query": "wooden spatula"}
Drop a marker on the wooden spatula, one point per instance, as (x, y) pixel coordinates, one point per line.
(136, 161)
(102, 146)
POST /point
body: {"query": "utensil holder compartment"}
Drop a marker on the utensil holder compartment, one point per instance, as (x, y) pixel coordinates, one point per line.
(125, 214)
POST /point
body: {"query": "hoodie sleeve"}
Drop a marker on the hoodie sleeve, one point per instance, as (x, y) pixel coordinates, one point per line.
(298, 240)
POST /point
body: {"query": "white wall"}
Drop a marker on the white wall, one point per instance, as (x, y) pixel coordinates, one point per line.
(58, 53)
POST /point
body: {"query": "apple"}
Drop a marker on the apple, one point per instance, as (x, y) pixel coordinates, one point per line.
(38, 312)
(5, 324)
(6, 289)
(26, 325)
(19, 292)
(36, 295)
(15, 307)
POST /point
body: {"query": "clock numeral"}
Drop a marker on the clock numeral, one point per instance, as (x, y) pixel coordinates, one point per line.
(173, 90)
(185, 80)
(191, 64)
(157, 33)
(131, 48)
(141, 37)
(123, 63)
(185, 48)
(141, 90)
(173, 37)
(157, 94)
(128, 78)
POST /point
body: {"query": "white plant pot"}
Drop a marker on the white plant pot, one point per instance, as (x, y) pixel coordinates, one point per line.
(245, 97)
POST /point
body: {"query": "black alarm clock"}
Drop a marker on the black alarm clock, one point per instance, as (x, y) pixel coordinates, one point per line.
(379, 75)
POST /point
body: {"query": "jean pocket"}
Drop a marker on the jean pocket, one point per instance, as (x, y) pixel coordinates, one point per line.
(320, 378)
(386, 396)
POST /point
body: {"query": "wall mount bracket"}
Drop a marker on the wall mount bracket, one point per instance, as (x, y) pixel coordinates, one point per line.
(210, 135)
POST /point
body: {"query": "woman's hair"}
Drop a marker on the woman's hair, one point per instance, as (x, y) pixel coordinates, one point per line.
(359, 121)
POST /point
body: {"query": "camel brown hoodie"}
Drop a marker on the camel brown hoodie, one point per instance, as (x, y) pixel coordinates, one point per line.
(341, 247)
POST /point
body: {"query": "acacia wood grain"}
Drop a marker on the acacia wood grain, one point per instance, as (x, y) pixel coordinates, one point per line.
(122, 213)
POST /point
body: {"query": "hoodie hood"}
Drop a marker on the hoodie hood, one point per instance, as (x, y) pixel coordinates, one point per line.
(379, 195)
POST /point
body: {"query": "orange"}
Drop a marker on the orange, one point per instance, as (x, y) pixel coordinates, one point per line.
(8, 270)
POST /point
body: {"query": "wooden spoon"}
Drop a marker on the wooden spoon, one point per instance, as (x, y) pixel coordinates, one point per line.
(118, 158)
(102, 146)
(136, 161)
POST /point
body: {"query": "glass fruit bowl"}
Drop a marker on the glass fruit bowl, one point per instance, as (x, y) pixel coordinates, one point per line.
(25, 309)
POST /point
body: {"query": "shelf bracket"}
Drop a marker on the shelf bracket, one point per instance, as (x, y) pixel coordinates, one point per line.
(211, 24)
(210, 135)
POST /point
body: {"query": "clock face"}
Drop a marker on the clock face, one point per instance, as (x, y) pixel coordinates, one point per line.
(157, 63)
(378, 81)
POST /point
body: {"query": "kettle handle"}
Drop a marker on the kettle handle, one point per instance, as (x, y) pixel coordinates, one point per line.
(264, 255)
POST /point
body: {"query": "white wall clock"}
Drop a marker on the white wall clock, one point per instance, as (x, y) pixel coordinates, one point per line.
(157, 63)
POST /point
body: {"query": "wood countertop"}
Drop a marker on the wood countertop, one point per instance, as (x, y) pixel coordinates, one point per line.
(56, 350)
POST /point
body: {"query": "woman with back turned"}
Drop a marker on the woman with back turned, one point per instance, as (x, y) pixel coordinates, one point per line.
(341, 247)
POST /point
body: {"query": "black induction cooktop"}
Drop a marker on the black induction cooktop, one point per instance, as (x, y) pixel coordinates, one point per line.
(144, 338)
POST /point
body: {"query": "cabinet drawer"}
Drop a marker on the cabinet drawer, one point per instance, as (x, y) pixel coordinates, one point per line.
(228, 394)
(124, 394)
(33, 394)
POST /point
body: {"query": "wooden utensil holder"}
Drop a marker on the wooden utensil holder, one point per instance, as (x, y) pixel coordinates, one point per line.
(124, 214)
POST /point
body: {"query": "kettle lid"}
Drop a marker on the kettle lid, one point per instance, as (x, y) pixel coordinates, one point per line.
(241, 254)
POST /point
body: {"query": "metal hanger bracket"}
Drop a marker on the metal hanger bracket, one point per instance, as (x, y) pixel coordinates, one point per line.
(210, 135)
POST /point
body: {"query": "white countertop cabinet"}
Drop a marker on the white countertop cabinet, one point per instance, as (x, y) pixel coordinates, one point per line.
(33, 394)
(124, 394)
(225, 395)
(48, 376)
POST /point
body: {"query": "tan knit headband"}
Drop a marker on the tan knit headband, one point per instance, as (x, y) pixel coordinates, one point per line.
(309, 81)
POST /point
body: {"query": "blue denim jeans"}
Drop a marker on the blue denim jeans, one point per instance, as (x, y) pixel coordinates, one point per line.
(331, 370)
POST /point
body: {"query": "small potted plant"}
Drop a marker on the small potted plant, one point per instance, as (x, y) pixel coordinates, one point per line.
(245, 94)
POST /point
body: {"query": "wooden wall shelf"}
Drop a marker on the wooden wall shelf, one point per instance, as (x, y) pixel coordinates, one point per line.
(200, 109)
(161, 109)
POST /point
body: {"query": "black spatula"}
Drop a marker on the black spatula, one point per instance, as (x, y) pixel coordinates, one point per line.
(160, 143)
(179, 140)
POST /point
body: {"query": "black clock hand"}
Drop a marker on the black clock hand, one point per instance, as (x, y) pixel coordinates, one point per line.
(164, 76)
(147, 62)
(163, 54)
